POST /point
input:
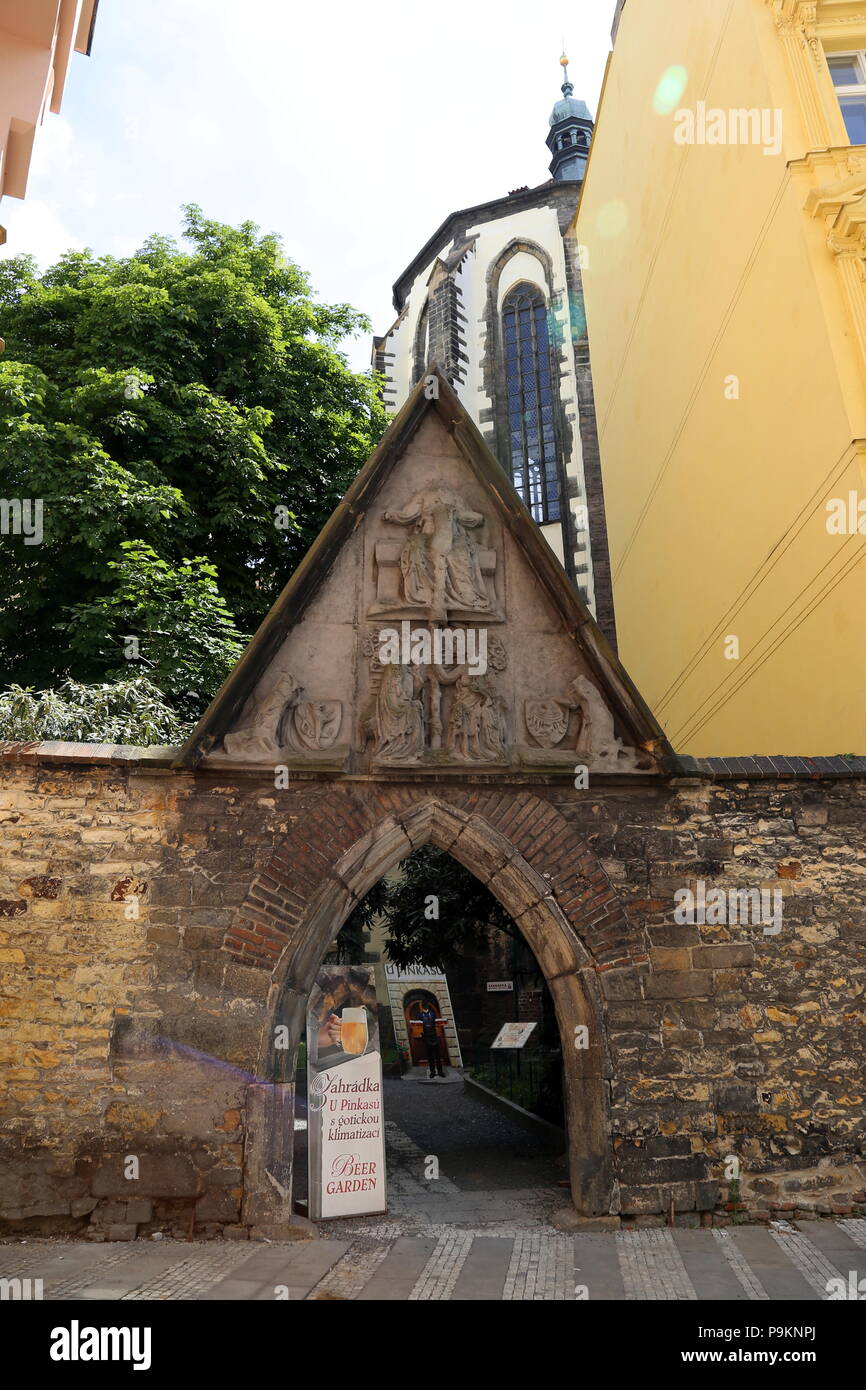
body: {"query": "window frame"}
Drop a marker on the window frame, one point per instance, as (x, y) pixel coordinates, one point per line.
(849, 92)
(537, 481)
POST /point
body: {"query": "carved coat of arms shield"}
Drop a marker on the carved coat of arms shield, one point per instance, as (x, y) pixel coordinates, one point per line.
(311, 725)
(547, 721)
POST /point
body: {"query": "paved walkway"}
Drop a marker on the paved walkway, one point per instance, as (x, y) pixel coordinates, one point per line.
(445, 1262)
(480, 1231)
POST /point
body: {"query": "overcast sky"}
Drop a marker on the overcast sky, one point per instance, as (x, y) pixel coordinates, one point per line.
(351, 130)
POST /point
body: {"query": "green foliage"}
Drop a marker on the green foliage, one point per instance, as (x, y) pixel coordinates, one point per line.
(467, 911)
(192, 642)
(126, 711)
(167, 405)
(534, 1081)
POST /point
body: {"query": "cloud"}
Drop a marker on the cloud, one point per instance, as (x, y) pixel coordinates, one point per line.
(35, 227)
(52, 148)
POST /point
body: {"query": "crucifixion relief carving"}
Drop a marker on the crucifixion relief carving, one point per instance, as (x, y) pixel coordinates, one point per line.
(439, 569)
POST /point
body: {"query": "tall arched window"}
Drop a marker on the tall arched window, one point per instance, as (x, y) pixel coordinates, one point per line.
(531, 429)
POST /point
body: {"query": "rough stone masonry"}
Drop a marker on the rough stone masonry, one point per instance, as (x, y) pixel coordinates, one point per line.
(137, 953)
(163, 912)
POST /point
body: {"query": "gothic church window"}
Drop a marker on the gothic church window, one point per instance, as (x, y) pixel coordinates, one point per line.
(531, 430)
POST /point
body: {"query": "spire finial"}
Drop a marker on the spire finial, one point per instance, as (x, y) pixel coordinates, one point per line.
(567, 87)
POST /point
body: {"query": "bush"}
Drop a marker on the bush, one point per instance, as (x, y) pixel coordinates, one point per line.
(129, 711)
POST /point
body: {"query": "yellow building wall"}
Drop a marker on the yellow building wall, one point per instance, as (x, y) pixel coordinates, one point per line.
(703, 264)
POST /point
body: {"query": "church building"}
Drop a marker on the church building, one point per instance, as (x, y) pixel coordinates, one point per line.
(495, 300)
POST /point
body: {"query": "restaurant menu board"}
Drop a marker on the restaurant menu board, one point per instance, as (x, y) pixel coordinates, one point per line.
(345, 1123)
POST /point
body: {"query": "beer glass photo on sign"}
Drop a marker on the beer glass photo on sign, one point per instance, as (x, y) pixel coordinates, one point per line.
(344, 1070)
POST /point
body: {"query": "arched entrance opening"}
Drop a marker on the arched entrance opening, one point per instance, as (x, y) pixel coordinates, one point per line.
(414, 1000)
(533, 898)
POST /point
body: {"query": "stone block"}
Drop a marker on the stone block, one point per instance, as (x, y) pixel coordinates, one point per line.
(664, 958)
(139, 1211)
(707, 1195)
(723, 956)
(82, 1206)
(122, 1231)
(160, 1175)
(567, 1219)
(640, 1201)
(220, 1205)
(736, 1100)
(621, 984)
(691, 984)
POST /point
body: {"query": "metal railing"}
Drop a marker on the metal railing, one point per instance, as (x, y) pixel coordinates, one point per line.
(531, 1079)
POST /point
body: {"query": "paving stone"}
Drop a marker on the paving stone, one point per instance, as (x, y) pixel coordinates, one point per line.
(399, 1274)
(443, 1262)
(652, 1267)
(484, 1271)
(597, 1267)
(711, 1277)
(771, 1265)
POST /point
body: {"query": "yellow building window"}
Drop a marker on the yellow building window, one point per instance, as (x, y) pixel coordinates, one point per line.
(848, 71)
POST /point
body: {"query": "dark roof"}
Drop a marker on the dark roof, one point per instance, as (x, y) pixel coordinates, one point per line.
(779, 767)
(456, 223)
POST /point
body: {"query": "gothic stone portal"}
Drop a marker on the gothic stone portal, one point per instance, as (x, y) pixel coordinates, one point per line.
(163, 910)
(554, 895)
(431, 634)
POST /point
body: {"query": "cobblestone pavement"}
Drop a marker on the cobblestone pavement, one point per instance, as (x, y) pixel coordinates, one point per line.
(495, 1262)
(447, 1237)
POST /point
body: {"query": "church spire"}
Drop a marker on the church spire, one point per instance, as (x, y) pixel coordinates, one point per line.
(570, 132)
(567, 88)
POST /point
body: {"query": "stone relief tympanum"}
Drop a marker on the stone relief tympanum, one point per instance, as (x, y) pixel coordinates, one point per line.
(432, 713)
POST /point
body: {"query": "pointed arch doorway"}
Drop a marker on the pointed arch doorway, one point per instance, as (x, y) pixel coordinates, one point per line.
(354, 860)
(414, 1000)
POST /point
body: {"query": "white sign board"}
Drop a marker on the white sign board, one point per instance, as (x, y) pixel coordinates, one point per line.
(500, 986)
(412, 972)
(512, 1035)
(344, 1095)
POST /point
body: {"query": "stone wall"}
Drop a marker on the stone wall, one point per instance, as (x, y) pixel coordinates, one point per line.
(140, 943)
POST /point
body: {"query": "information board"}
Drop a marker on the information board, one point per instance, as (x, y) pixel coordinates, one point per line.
(512, 1035)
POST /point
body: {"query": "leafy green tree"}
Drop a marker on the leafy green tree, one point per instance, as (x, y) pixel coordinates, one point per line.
(188, 422)
(435, 911)
(191, 643)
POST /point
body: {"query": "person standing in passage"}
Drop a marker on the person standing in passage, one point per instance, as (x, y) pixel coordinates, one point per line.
(430, 1038)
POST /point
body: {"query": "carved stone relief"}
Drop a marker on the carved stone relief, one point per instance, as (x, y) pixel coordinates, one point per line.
(439, 570)
(431, 713)
(547, 721)
(283, 722)
(596, 742)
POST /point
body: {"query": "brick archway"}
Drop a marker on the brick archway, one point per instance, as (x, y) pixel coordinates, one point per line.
(543, 873)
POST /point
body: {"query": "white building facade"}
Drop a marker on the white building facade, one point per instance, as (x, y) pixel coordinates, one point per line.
(495, 300)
